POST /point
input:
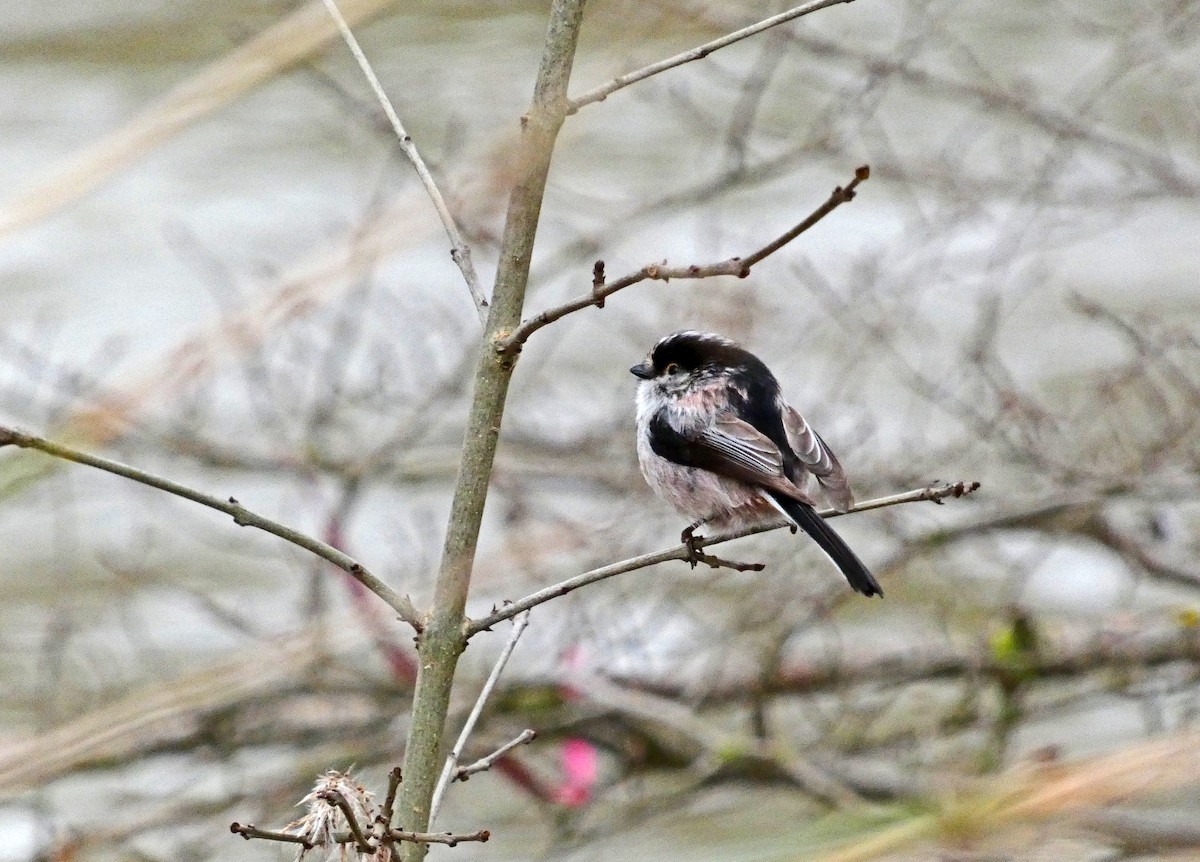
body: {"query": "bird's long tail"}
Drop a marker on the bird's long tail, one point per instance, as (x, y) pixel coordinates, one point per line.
(806, 518)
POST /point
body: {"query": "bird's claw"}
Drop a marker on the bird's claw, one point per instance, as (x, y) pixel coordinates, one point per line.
(692, 542)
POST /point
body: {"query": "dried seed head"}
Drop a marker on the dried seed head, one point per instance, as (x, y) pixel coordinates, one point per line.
(324, 820)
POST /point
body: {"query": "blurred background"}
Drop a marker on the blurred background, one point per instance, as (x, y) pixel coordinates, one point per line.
(215, 264)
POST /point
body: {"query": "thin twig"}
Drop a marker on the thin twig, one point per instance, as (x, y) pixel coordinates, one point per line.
(934, 493)
(248, 831)
(444, 779)
(735, 266)
(383, 821)
(485, 763)
(242, 516)
(360, 840)
(459, 250)
(448, 838)
(599, 94)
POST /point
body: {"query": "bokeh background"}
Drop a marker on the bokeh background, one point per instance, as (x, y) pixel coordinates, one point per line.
(215, 264)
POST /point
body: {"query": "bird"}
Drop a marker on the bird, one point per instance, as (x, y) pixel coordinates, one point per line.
(717, 440)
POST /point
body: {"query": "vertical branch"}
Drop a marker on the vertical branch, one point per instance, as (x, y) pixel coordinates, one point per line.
(445, 637)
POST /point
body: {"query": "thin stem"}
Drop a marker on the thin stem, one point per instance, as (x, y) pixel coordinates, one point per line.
(934, 493)
(735, 266)
(599, 94)
(483, 764)
(447, 838)
(519, 625)
(249, 831)
(459, 250)
(383, 821)
(242, 516)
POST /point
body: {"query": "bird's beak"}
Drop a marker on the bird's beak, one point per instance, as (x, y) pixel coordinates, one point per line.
(644, 370)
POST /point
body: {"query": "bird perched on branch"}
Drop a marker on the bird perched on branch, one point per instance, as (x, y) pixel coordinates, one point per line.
(716, 440)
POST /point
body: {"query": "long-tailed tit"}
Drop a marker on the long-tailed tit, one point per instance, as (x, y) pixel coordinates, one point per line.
(716, 440)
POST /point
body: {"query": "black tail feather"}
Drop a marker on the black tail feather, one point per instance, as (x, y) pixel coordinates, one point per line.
(859, 576)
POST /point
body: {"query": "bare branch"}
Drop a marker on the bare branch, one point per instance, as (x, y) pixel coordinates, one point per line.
(599, 94)
(450, 839)
(456, 752)
(735, 266)
(459, 250)
(249, 831)
(933, 493)
(1062, 653)
(485, 763)
(383, 821)
(242, 516)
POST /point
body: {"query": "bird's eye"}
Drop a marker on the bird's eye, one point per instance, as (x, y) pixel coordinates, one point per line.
(671, 368)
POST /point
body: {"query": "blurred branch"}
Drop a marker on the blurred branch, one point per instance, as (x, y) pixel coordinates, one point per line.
(242, 516)
(599, 94)
(226, 79)
(1140, 831)
(934, 493)
(1026, 796)
(1059, 655)
(691, 740)
(459, 250)
(519, 625)
(163, 714)
(735, 266)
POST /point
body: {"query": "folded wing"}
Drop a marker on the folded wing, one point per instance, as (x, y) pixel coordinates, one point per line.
(818, 459)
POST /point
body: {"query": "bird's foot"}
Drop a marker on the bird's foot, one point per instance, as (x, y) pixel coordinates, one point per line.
(695, 555)
(692, 542)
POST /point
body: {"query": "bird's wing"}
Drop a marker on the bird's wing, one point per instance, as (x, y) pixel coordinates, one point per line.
(729, 447)
(746, 451)
(818, 459)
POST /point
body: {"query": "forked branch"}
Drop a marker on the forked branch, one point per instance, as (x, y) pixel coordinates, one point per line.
(735, 266)
(602, 92)
(934, 493)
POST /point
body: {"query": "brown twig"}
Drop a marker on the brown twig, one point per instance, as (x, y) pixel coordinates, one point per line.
(933, 493)
(735, 266)
(602, 92)
(383, 820)
(249, 831)
(242, 516)
(450, 839)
